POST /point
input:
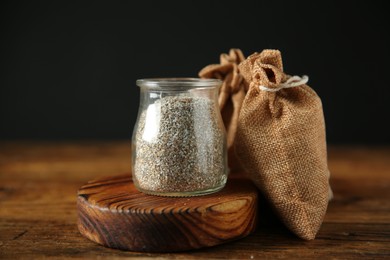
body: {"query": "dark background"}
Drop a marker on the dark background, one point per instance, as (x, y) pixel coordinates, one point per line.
(68, 69)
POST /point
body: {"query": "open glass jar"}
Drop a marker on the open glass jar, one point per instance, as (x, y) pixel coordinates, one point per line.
(179, 141)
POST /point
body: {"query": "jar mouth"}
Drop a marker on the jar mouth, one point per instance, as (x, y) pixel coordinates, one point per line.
(175, 83)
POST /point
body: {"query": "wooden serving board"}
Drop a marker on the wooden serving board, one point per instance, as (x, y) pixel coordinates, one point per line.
(113, 213)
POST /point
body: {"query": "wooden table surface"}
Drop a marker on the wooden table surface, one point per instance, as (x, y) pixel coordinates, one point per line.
(39, 180)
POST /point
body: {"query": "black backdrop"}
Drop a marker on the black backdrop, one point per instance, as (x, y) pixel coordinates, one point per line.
(68, 69)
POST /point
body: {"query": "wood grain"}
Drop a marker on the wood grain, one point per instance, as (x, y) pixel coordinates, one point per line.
(38, 214)
(112, 212)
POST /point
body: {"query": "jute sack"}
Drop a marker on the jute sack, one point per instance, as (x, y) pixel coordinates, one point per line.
(280, 142)
(231, 96)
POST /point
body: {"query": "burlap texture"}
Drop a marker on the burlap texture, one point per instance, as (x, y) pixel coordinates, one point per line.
(280, 142)
(231, 96)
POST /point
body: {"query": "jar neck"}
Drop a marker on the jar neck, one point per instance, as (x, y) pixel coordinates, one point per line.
(150, 95)
(177, 84)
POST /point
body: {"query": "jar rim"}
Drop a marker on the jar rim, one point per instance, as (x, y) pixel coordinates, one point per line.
(178, 82)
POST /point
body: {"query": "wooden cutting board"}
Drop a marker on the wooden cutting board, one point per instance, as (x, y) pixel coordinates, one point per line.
(113, 213)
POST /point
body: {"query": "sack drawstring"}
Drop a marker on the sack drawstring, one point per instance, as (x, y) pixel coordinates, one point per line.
(294, 81)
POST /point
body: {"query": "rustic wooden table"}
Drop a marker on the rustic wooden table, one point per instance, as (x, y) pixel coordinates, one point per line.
(38, 184)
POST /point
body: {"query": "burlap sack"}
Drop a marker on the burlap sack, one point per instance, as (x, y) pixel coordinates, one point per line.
(231, 96)
(280, 142)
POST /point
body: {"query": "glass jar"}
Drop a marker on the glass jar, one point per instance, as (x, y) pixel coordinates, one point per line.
(179, 140)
